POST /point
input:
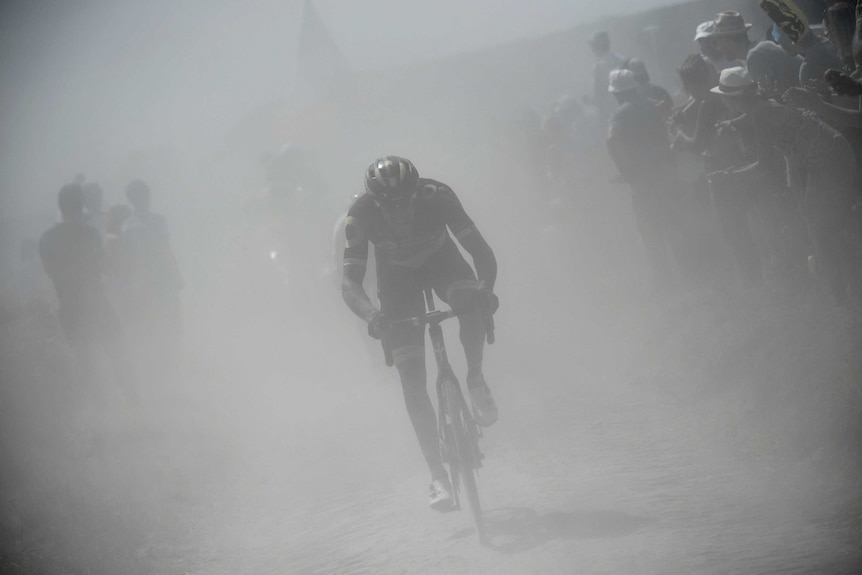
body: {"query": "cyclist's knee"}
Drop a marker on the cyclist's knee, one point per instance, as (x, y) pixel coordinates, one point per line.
(414, 380)
(405, 355)
(410, 361)
(462, 295)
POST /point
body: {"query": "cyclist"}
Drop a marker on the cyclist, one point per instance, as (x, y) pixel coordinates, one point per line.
(406, 218)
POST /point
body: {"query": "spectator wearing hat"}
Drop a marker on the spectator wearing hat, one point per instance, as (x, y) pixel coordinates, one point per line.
(731, 36)
(809, 145)
(606, 61)
(638, 144)
(731, 33)
(721, 149)
(705, 38)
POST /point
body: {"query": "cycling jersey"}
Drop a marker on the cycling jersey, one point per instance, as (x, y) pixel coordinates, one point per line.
(436, 208)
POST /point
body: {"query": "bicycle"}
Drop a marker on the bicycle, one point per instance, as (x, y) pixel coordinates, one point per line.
(456, 426)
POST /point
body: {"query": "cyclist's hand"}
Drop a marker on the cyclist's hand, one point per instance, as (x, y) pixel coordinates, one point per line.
(488, 300)
(377, 325)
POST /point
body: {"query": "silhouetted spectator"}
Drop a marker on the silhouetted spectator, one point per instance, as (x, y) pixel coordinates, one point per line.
(661, 97)
(74, 259)
(774, 70)
(154, 276)
(606, 61)
(819, 55)
(721, 149)
(705, 37)
(638, 144)
(731, 36)
(841, 27)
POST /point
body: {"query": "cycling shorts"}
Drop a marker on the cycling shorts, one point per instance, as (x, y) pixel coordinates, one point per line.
(401, 291)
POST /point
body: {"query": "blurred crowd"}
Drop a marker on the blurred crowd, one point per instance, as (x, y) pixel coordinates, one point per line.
(744, 176)
(117, 284)
(748, 175)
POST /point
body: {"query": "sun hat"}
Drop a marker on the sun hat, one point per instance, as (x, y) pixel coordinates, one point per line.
(704, 30)
(730, 24)
(622, 81)
(734, 82)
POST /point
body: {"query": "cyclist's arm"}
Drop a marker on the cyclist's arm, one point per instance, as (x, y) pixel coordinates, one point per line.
(483, 257)
(355, 263)
(468, 236)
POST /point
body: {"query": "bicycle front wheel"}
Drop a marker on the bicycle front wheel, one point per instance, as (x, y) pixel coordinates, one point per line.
(466, 458)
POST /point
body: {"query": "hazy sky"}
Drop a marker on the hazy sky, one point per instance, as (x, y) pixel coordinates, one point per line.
(397, 30)
(94, 79)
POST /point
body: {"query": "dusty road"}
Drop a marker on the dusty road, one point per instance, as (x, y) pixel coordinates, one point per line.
(289, 451)
(590, 469)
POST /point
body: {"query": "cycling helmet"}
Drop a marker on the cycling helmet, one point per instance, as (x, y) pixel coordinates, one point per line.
(391, 179)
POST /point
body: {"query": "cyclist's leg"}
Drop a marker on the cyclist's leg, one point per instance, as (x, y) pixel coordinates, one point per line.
(402, 297)
(455, 283)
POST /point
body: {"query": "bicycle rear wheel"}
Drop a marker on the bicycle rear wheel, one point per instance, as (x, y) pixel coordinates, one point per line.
(466, 459)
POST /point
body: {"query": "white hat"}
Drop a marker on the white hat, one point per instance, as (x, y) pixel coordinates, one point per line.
(733, 82)
(622, 81)
(704, 30)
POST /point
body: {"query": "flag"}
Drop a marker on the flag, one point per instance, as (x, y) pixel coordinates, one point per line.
(321, 63)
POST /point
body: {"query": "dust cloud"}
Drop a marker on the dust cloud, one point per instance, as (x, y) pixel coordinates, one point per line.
(674, 432)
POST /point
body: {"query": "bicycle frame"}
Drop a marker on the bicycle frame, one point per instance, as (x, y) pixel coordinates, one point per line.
(457, 429)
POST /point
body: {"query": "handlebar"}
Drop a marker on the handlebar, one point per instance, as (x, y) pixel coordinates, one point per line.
(435, 317)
